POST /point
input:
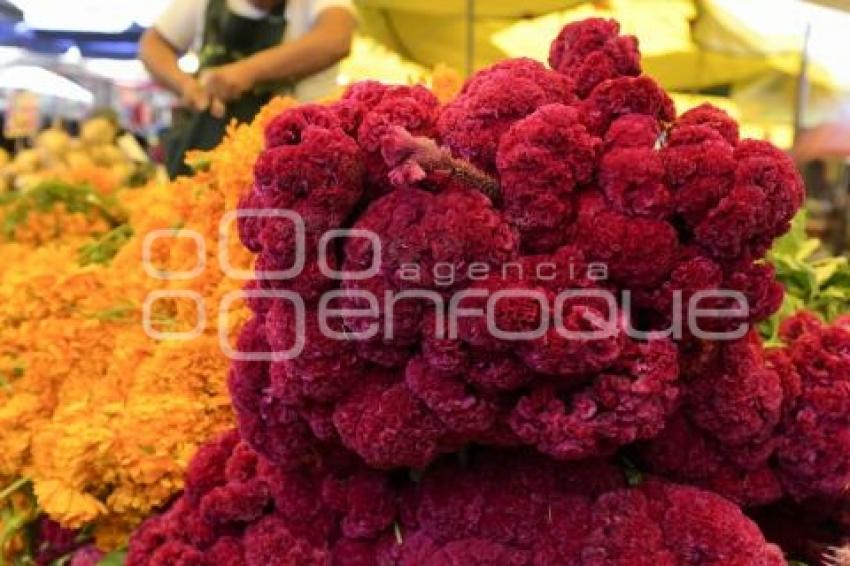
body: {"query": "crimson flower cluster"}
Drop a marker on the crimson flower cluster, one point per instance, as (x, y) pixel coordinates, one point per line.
(525, 185)
(493, 508)
(523, 169)
(54, 544)
(756, 425)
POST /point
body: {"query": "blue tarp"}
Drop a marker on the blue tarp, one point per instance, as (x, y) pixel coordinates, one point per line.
(113, 46)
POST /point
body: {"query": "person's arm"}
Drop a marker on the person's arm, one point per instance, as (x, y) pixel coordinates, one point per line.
(160, 49)
(161, 61)
(327, 42)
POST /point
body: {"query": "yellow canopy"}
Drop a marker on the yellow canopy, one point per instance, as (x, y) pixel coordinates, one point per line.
(371, 60)
(780, 133)
(435, 31)
(482, 8)
(687, 44)
(776, 30)
(663, 28)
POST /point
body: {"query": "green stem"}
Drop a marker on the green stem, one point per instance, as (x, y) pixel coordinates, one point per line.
(13, 487)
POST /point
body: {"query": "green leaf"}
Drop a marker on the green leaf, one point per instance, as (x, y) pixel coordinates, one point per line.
(807, 249)
(76, 198)
(12, 488)
(200, 165)
(841, 278)
(821, 285)
(795, 240)
(103, 250)
(7, 198)
(114, 558)
(634, 476)
(85, 534)
(770, 328)
(13, 522)
(825, 270)
(115, 314)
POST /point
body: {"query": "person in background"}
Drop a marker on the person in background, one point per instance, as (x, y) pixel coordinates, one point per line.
(249, 51)
(825, 211)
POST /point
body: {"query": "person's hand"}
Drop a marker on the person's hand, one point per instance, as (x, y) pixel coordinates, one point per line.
(197, 98)
(218, 108)
(194, 96)
(228, 81)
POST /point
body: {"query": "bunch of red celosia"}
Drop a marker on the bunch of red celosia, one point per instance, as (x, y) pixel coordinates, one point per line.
(534, 174)
(57, 545)
(494, 508)
(756, 426)
(553, 190)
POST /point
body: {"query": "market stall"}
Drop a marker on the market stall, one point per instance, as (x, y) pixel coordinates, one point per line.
(573, 307)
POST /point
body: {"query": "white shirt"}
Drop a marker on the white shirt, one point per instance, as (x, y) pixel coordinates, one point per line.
(182, 24)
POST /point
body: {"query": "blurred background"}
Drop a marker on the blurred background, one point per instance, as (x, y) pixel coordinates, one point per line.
(778, 66)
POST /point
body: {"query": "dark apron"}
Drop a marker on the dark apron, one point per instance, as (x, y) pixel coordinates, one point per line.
(228, 38)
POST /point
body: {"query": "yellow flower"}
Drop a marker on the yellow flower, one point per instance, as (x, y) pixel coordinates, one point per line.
(106, 180)
(102, 417)
(69, 505)
(446, 83)
(112, 532)
(20, 413)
